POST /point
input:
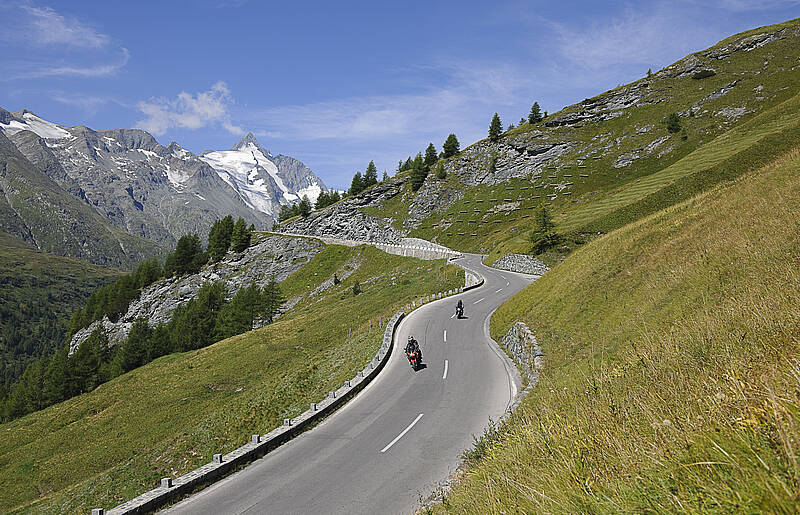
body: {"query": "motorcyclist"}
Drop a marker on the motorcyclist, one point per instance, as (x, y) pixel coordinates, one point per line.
(412, 346)
(460, 308)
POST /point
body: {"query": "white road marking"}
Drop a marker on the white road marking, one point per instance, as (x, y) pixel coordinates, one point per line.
(445, 336)
(453, 315)
(479, 300)
(507, 283)
(444, 376)
(406, 430)
(498, 290)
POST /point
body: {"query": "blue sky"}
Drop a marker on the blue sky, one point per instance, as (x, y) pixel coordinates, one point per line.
(336, 84)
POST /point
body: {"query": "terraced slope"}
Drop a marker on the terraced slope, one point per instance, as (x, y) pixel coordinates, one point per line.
(671, 376)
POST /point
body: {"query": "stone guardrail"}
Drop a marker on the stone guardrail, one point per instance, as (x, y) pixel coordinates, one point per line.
(417, 251)
(222, 464)
(523, 348)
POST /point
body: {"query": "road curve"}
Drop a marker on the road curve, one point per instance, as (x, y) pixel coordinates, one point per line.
(391, 445)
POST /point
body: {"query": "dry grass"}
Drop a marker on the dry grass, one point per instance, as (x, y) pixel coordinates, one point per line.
(672, 380)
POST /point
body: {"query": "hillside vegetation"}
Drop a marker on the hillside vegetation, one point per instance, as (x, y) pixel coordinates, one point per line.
(671, 380)
(38, 291)
(169, 416)
(611, 159)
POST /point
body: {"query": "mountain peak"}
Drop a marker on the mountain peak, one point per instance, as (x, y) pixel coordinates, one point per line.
(250, 139)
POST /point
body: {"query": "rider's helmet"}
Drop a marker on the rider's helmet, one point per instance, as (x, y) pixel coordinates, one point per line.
(410, 338)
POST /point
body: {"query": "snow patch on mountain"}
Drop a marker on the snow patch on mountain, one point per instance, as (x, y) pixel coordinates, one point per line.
(33, 123)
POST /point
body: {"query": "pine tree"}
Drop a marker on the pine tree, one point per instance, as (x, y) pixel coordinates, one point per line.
(357, 184)
(304, 206)
(544, 234)
(334, 197)
(271, 301)
(495, 128)
(135, 349)
(431, 156)
(356, 288)
(673, 123)
(535, 116)
(418, 175)
(370, 175)
(160, 342)
(440, 173)
(240, 239)
(323, 200)
(187, 258)
(385, 176)
(521, 122)
(450, 147)
(219, 238)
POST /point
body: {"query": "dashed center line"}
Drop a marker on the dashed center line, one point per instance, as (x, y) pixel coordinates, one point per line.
(444, 376)
(406, 430)
(479, 300)
(498, 290)
(445, 336)
(507, 283)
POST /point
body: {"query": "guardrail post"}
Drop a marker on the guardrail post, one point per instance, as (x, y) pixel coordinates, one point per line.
(217, 458)
(332, 394)
(313, 406)
(287, 422)
(166, 482)
(255, 439)
(98, 511)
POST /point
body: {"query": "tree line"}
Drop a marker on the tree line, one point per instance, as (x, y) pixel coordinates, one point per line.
(197, 323)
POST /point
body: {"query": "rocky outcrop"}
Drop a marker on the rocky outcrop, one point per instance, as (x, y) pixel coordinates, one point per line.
(273, 256)
(346, 220)
(521, 263)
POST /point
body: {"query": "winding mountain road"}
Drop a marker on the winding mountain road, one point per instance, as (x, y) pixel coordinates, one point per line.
(391, 445)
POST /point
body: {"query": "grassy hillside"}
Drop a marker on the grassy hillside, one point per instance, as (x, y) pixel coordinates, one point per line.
(38, 292)
(671, 379)
(171, 415)
(621, 163)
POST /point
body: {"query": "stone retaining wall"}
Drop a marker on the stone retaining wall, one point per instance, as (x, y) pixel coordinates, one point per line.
(521, 263)
(523, 348)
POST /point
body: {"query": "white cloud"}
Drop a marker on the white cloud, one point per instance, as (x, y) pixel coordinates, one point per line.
(189, 111)
(44, 26)
(633, 38)
(41, 70)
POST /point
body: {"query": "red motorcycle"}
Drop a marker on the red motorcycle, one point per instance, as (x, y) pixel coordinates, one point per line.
(414, 358)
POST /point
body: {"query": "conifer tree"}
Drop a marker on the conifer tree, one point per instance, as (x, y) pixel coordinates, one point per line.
(135, 349)
(495, 128)
(385, 176)
(418, 175)
(370, 175)
(219, 238)
(673, 123)
(304, 206)
(544, 234)
(450, 147)
(357, 184)
(535, 116)
(272, 300)
(440, 173)
(431, 156)
(240, 238)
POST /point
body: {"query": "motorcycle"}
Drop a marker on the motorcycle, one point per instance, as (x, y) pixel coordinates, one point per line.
(459, 311)
(414, 358)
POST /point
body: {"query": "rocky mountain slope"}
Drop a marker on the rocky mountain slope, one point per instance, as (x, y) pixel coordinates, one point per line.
(576, 158)
(155, 191)
(272, 257)
(34, 208)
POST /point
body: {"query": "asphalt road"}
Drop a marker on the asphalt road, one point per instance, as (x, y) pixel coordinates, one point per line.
(397, 440)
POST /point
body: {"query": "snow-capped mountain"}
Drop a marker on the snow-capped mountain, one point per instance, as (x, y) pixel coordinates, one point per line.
(160, 192)
(264, 182)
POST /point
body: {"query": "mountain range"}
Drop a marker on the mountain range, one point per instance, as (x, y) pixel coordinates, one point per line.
(118, 195)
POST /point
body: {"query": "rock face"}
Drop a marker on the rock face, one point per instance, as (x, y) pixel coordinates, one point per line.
(346, 220)
(273, 256)
(36, 209)
(521, 263)
(153, 191)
